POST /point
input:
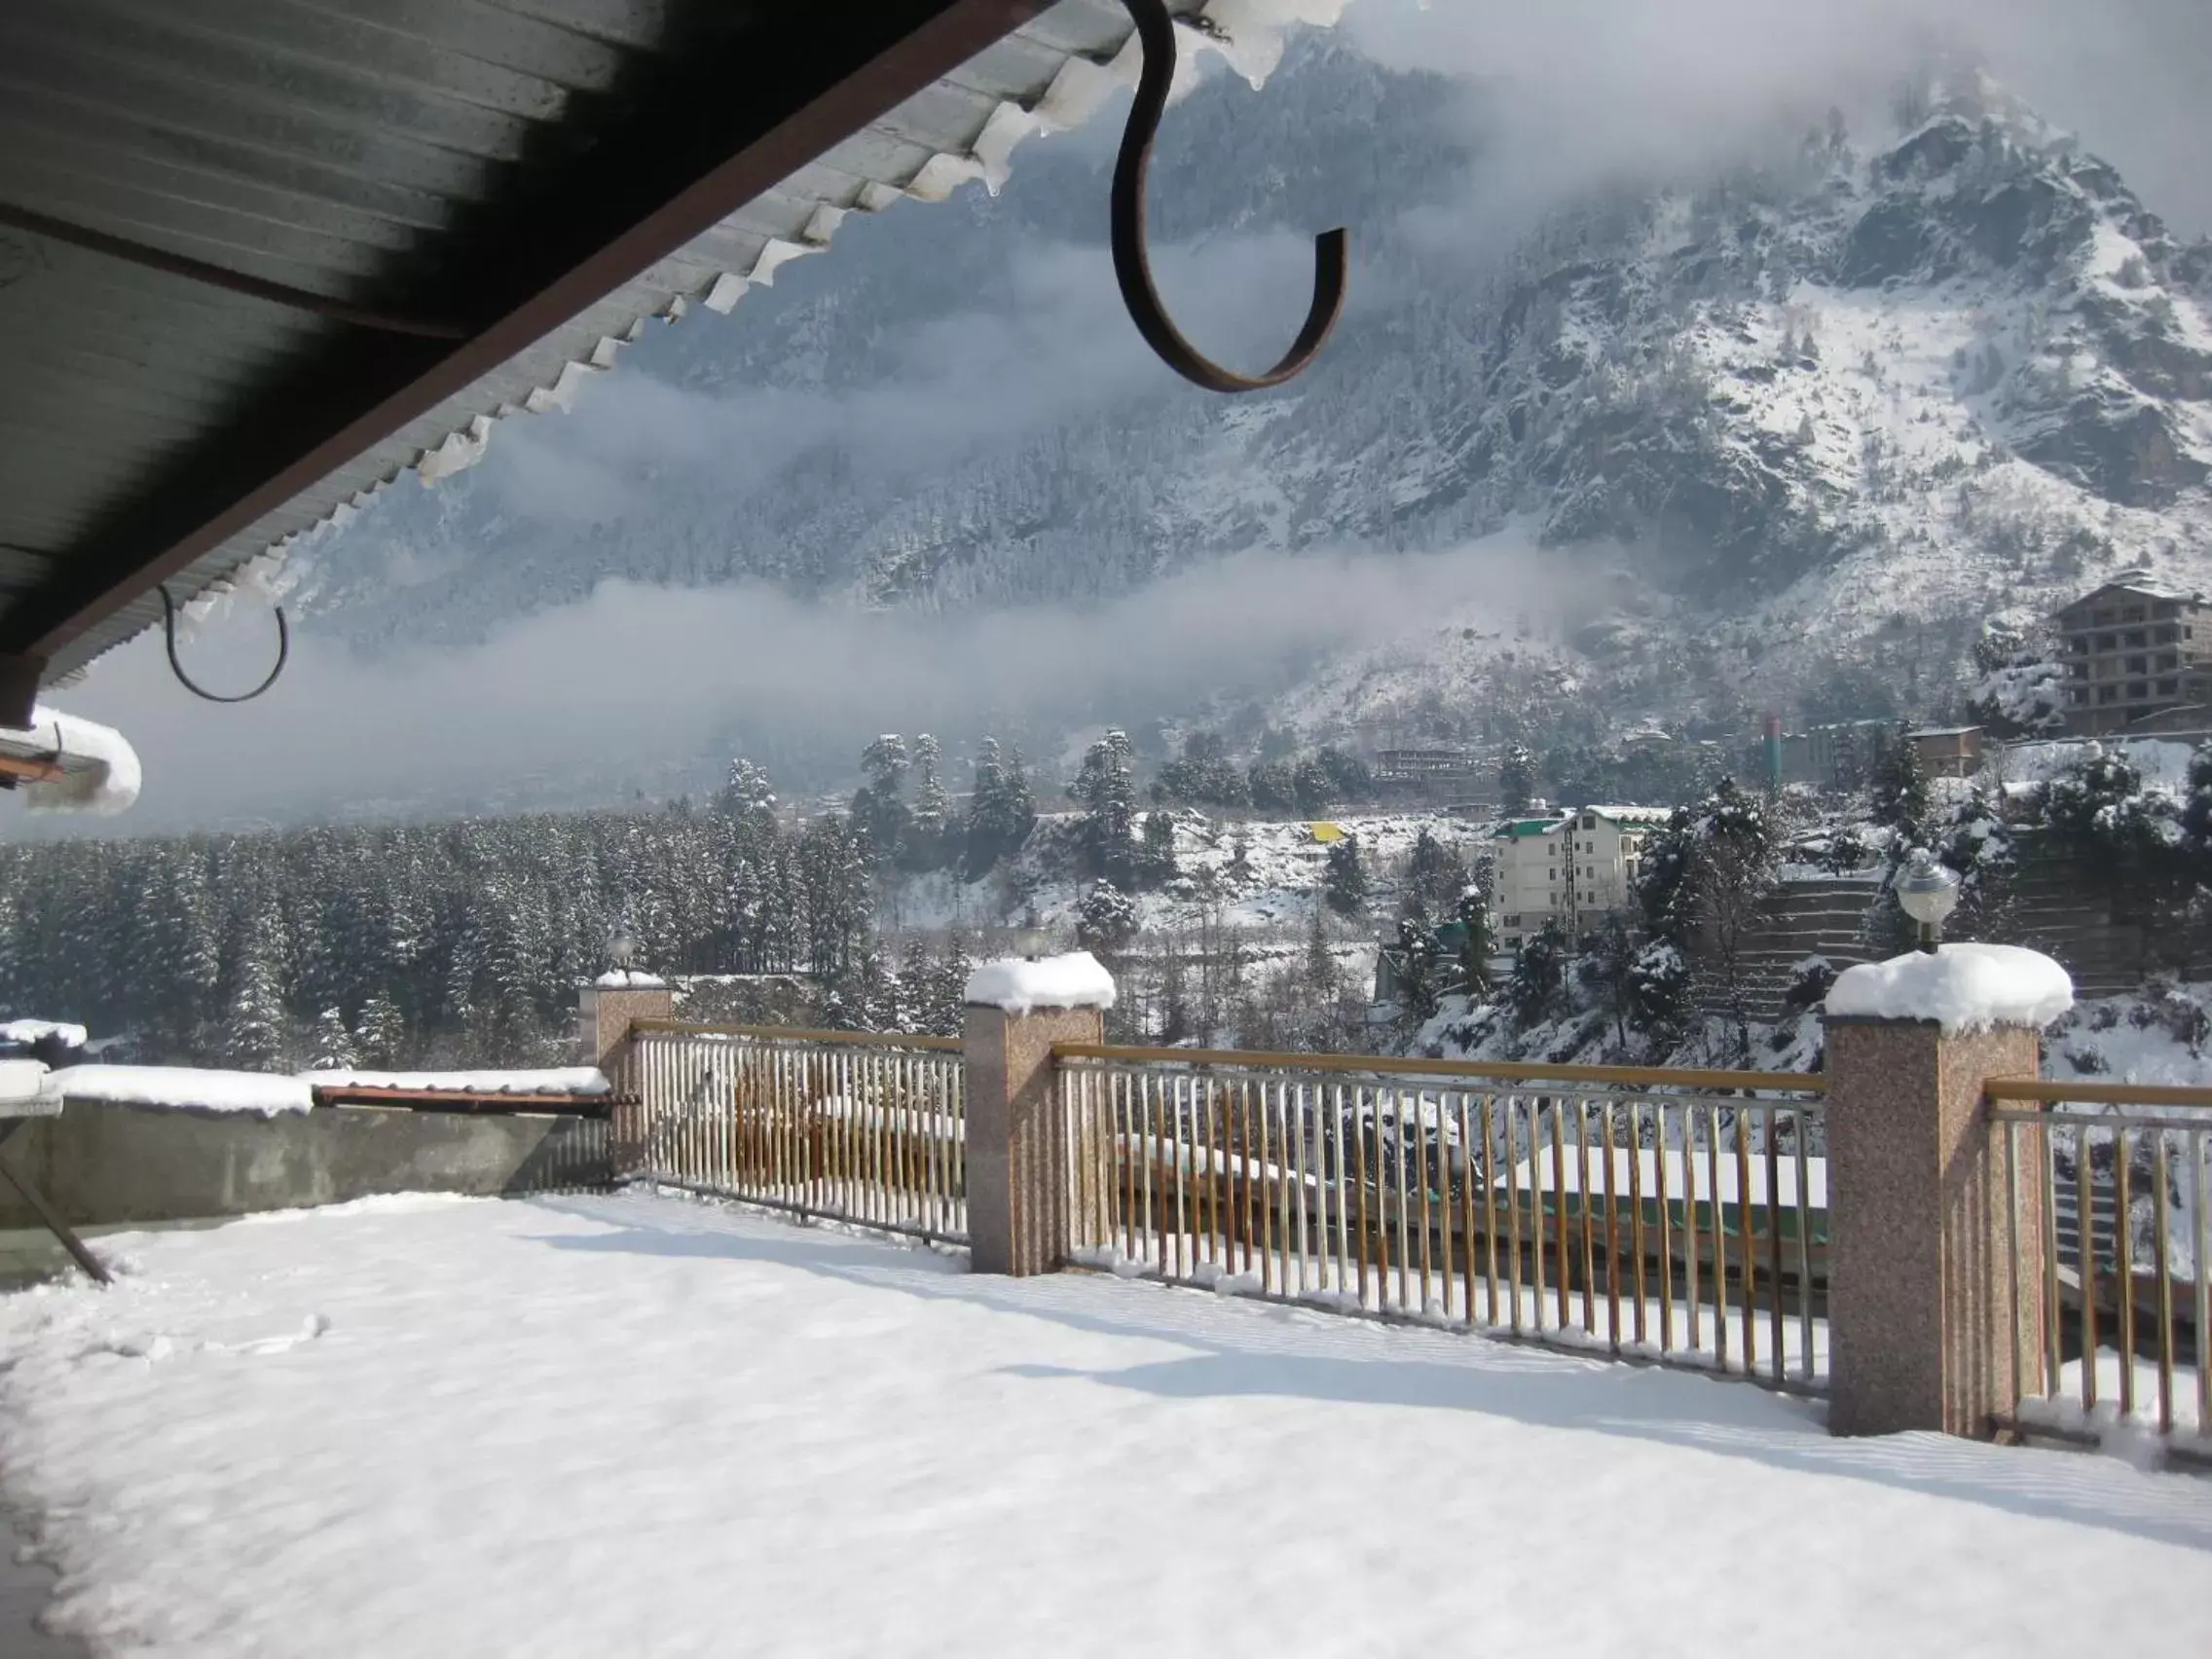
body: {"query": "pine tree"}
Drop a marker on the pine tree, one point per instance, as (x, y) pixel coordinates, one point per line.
(1343, 881)
(1902, 796)
(1106, 919)
(1539, 975)
(926, 821)
(1156, 853)
(256, 1030)
(1479, 945)
(1516, 779)
(331, 1046)
(382, 1036)
(1000, 811)
(1108, 792)
(1434, 876)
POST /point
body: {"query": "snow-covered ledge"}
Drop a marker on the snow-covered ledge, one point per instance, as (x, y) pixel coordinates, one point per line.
(103, 776)
(1022, 986)
(1961, 987)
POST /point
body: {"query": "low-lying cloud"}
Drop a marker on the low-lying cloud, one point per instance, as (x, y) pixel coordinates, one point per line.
(644, 687)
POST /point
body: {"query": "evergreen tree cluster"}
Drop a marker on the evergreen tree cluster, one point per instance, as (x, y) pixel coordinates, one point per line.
(1204, 776)
(458, 942)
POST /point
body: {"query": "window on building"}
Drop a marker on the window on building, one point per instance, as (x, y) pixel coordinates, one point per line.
(2107, 694)
(2169, 659)
(2108, 642)
(2101, 619)
(2168, 687)
(2138, 665)
(2138, 637)
(2133, 613)
(2137, 690)
(2079, 642)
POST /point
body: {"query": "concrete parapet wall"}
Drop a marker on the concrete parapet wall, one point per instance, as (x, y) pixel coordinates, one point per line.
(101, 1163)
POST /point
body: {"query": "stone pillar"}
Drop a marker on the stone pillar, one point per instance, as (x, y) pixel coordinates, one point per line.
(605, 1012)
(1024, 1186)
(1928, 1324)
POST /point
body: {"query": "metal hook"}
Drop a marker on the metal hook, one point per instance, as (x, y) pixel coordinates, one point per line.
(176, 667)
(1133, 265)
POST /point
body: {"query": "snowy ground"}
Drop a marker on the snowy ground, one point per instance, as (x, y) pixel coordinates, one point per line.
(637, 1426)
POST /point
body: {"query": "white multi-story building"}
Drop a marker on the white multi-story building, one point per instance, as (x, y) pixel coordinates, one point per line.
(1574, 869)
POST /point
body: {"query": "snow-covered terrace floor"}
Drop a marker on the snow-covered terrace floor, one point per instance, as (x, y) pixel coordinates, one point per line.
(639, 1426)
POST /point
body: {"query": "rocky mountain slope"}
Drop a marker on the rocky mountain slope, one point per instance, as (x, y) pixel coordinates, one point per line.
(1781, 438)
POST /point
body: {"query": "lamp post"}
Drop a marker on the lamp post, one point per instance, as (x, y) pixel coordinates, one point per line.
(1927, 893)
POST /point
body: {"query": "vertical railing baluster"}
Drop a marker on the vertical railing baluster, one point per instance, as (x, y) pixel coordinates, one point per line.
(1662, 1165)
(2201, 1212)
(1612, 1229)
(2159, 1241)
(1802, 1129)
(1746, 1244)
(1490, 1218)
(1638, 1239)
(2086, 1253)
(2124, 1264)
(1719, 1231)
(1769, 1120)
(1559, 1258)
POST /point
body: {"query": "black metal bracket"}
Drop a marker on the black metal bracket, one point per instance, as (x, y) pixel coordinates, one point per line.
(176, 665)
(1133, 264)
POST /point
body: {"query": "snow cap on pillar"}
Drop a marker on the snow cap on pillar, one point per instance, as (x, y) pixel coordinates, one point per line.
(1021, 985)
(1959, 988)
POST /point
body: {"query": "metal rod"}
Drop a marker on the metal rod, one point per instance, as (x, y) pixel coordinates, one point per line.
(1132, 268)
(48, 1217)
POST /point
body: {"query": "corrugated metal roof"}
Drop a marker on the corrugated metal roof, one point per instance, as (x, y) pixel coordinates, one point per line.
(338, 147)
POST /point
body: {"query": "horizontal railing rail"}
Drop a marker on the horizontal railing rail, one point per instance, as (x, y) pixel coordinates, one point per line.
(798, 1035)
(864, 1127)
(2127, 1295)
(1654, 1078)
(1642, 1212)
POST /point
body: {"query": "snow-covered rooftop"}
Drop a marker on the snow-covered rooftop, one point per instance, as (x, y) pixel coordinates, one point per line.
(1962, 987)
(614, 1425)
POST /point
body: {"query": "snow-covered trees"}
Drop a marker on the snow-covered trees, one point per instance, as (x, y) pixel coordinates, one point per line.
(999, 810)
(448, 944)
(1516, 778)
(1344, 883)
(1902, 796)
(330, 1047)
(1107, 791)
(1434, 877)
(1106, 919)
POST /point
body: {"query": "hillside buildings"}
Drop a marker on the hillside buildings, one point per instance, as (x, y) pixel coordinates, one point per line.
(2131, 649)
(1572, 869)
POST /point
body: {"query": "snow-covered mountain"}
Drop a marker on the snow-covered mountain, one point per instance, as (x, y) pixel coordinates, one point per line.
(1781, 437)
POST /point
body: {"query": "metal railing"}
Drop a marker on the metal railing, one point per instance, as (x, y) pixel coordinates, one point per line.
(845, 1126)
(1678, 1216)
(2125, 1296)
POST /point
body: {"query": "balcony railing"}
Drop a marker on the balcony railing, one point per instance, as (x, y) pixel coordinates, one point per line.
(1678, 1216)
(2120, 1176)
